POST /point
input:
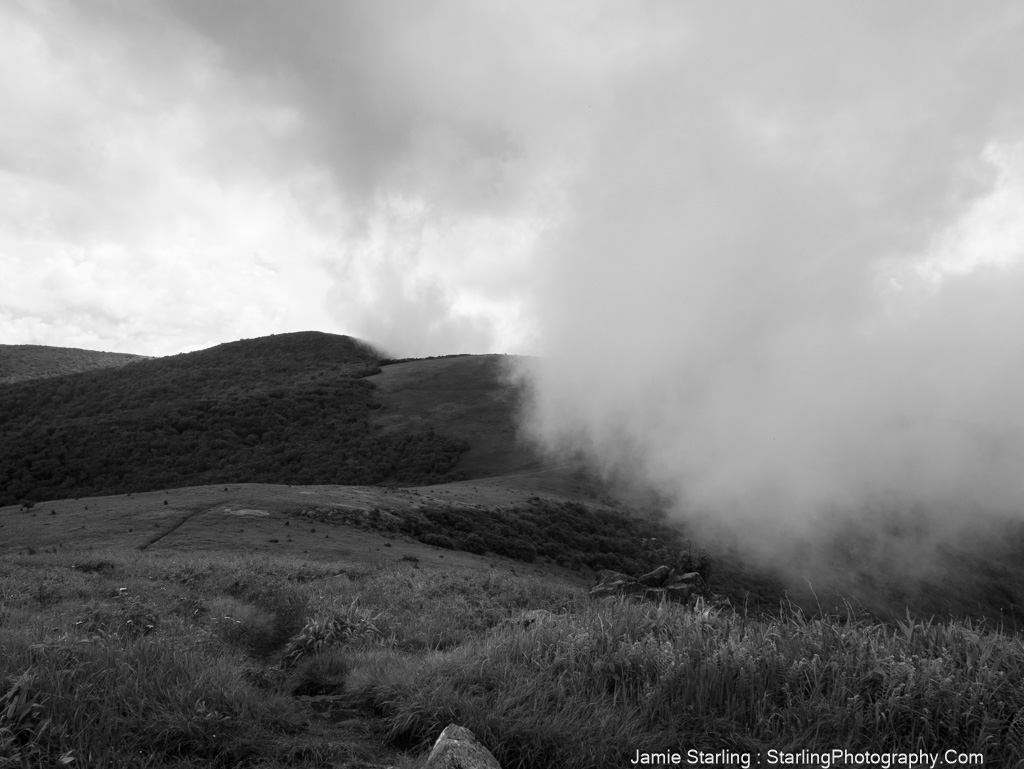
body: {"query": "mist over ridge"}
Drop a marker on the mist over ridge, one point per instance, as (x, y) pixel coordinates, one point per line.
(770, 254)
(790, 291)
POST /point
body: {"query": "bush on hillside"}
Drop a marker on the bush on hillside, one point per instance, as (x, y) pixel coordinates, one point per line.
(566, 533)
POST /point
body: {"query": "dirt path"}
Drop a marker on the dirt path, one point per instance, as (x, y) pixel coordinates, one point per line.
(175, 527)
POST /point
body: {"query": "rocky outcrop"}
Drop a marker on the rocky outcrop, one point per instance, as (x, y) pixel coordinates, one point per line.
(655, 578)
(661, 584)
(457, 748)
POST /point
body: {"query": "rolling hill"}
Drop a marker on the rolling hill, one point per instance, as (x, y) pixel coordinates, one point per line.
(291, 408)
(467, 397)
(307, 555)
(423, 449)
(22, 362)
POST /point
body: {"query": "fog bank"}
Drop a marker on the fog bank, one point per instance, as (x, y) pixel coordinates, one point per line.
(789, 287)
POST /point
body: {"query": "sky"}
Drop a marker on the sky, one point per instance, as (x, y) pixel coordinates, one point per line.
(180, 174)
(768, 254)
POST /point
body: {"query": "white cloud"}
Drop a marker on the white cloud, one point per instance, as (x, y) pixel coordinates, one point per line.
(130, 210)
(711, 312)
(199, 135)
(990, 233)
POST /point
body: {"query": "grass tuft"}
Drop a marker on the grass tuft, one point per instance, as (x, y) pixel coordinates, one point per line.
(351, 627)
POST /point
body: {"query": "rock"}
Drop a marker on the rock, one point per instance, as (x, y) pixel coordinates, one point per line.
(457, 748)
(661, 584)
(655, 578)
(615, 583)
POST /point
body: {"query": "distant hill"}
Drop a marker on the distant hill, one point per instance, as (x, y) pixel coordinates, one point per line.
(465, 396)
(290, 408)
(21, 362)
(326, 419)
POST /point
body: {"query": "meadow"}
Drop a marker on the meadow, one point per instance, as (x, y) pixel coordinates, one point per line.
(213, 614)
(128, 659)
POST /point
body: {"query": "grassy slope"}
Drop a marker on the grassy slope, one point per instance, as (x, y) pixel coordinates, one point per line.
(317, 420)
(275, 520)
(466, 397)
(221, 579)
(883, 564)
(22, 362)
(161, 659)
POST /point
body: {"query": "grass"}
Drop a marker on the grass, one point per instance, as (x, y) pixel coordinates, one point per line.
(588, 689)
(118, 658)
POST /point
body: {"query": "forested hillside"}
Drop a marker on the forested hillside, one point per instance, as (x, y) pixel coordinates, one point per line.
(290, 408)
(21, 362)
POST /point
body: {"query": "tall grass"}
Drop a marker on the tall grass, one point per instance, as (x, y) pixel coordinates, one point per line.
(122, 660)
(159, 660)
(588, 689)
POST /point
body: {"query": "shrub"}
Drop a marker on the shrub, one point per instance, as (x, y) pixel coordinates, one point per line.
(473, 543)
(351, 626)
(437, 540)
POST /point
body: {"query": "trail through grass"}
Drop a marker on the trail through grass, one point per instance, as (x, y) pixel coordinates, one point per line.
(160, 659)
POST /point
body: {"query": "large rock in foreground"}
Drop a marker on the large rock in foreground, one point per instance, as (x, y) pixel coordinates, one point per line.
(457, 748)
(662, 584)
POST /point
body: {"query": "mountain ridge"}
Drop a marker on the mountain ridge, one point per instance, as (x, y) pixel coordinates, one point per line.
(288, 408)
(25, 362)
(312, 409)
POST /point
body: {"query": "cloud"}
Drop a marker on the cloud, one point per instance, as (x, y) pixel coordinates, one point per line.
(201, 133)
(129, 220)
(770, 252)
(449, 131)
(788, 285)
